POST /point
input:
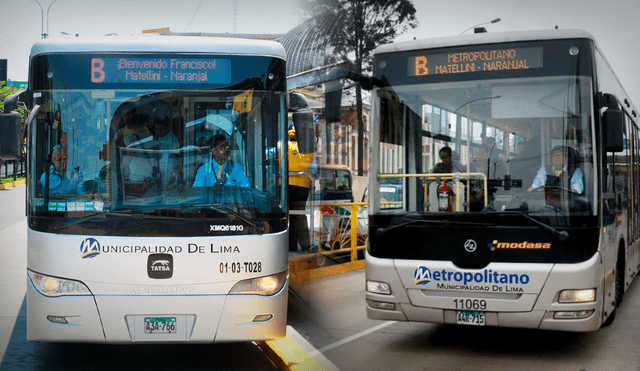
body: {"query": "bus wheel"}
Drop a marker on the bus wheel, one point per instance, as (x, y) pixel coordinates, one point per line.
(620, 272)
(619, 288)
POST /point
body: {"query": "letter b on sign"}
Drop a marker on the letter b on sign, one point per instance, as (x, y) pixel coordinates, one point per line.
(421, 68)
(97, 70)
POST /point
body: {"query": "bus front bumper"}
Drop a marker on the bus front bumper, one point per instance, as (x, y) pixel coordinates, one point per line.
(535, 319)
(124, 319)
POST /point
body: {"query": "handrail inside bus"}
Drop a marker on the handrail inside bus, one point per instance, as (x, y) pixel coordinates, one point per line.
(456, 177)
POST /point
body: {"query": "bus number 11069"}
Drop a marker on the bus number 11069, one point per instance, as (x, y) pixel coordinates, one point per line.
(474, 304)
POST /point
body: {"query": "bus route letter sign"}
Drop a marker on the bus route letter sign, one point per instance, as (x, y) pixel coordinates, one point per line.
(160, 70)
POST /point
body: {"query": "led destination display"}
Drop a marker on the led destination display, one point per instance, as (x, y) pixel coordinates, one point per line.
(160, 70)
(475, 61)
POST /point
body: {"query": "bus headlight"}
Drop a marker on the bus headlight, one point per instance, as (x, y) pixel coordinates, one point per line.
(55, 286)
(577, 296)
(378, 287)
(265, 286)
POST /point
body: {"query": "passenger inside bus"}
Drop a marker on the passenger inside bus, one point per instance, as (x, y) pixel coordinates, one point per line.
(163, 134)
(128, 126)
(137, 167)
(447, 164)
(563, 162)
(220, 170)
(526, 161)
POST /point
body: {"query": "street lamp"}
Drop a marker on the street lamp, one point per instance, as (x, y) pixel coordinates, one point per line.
(481, 24)
(44, 35)
(42, 20)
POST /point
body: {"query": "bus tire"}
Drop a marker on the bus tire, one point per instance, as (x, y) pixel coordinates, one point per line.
(620, 273)
(619, 286)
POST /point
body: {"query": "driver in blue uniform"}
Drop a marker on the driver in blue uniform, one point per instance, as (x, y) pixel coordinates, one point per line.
(221, 170)
(562, 166)
(59, 181)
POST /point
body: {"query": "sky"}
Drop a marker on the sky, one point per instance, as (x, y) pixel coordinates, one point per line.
(613, 23)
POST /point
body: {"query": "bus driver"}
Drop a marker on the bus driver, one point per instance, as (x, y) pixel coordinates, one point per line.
(562, 166)
(59, 181)
(220, 170)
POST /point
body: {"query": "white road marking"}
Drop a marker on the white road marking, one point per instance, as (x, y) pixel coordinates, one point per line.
(351, 338)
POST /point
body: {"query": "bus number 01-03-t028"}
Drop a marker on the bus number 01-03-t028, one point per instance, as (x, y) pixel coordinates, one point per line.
(241, 267)
(473, 304)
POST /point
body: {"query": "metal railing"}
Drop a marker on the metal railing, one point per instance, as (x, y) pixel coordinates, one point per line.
(456, 178)
(337, 231)
(13, 169)
(345, 233)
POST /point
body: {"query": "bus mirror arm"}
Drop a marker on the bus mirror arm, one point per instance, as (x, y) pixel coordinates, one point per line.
(367, 82)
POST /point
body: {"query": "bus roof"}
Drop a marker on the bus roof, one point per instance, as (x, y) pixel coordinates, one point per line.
(482, 38)
(169, 44)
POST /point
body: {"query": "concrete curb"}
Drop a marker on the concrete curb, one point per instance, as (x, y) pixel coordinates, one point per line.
(302, 271)
(294, 353)
(13, 184)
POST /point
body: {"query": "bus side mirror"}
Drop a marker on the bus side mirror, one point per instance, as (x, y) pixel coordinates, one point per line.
(613, 122)
(296, 102)
(10, 131)
(305, 131)
(11, 102)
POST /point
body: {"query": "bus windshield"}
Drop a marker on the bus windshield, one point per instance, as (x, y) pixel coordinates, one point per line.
(175, 156)
(508, 144)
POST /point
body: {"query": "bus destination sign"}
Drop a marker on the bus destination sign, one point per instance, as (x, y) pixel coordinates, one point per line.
(475, 61)
(160, 70)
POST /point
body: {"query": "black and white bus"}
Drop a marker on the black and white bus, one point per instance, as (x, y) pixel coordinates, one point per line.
(518, 155)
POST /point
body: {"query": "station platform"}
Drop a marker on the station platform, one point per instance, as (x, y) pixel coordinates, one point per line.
(311, 303)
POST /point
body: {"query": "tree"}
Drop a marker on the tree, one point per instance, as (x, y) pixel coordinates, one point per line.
(362, 26)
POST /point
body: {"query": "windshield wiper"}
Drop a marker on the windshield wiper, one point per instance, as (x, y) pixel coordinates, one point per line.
(227, 210)
(109, 214)
(382, 231)
(561, 235)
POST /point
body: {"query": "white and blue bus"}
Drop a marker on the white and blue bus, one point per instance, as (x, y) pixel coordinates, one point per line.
(133, 235)
(518, 158)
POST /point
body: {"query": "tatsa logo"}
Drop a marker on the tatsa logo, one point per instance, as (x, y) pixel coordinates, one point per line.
(89, 248)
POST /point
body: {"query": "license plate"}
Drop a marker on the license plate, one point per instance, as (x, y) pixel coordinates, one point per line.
(160, 325)
(471, 318)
